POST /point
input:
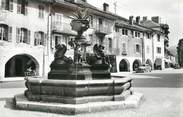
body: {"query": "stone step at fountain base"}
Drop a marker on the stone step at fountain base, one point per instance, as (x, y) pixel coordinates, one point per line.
(131, 101)
(79, 100)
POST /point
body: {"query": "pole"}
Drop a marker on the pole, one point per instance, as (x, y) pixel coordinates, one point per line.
(115, 5)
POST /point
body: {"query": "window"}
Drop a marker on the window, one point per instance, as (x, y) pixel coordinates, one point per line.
(39, 38)
(124, 32)
(137, 47)
(22, 35)
(158, 37)
(41, 11)
(148, 36)
(110, 43)
(58, 20)
(7, 5)
(100, 21)
(132, 33)
(5, 32)
(91, 21)
(124, 49)
(137, 34)
(22, 6)
(159, 50)
(117, 29)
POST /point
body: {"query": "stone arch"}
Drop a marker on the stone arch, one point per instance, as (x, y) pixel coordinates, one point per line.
(124, 65)
(16, 65)
(136, 64)
(158, 63)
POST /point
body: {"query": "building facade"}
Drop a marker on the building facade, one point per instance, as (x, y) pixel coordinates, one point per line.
(30, 30)
(23, 33)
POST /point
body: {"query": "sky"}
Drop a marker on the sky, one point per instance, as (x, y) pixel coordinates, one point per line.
(170, 12)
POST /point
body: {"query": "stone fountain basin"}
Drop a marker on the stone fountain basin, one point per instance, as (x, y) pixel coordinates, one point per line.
(37, 89)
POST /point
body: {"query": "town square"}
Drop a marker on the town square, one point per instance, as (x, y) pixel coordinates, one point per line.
(82, 58)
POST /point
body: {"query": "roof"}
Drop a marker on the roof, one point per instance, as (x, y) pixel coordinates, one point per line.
(133, 27)
(147, 25)
(150, 24)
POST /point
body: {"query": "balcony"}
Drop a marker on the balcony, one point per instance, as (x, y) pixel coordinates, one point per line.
(103, 29)
(112, 51)
(63, 28)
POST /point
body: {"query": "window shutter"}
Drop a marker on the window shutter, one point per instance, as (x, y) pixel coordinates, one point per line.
(135, 50)
(53, 43)
(35, 38)
(3, 4)
(28, 37)
(9, 34)
(44, 39)
(18, 35)
(18, 6)
(7, 5)
(11, 5)
(26, 8)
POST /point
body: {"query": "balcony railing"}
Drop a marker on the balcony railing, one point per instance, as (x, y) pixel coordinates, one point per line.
(62, 28)
(104, 29)
(112, 51)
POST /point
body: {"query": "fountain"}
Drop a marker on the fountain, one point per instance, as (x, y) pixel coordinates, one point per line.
(74, 86)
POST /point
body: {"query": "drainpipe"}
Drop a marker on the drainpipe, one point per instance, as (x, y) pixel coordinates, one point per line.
(46, 52)
(153, 53)
(143, 51)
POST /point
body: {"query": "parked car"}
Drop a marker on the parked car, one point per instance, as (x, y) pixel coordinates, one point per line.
(143, 68)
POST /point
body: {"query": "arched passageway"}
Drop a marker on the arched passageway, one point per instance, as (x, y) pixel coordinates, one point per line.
(124, 65)
(136, 64)
(158, 64)
(18, 64)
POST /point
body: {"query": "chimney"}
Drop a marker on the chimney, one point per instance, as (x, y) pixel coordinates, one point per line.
(155, 19)
(106, 7)
(131, 20)
(144, 18)
(138, 19)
